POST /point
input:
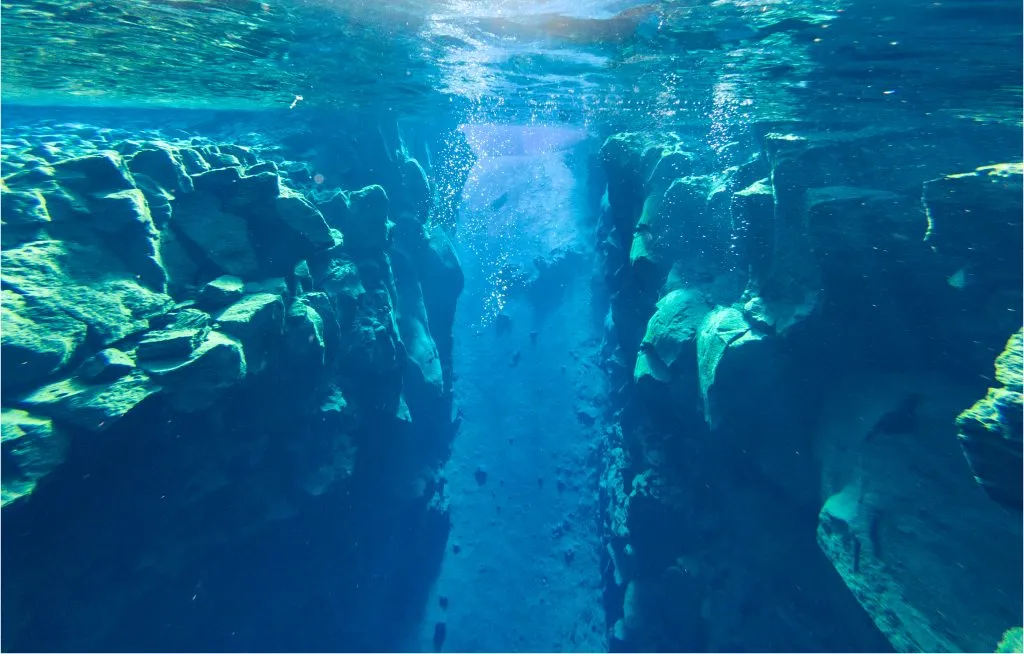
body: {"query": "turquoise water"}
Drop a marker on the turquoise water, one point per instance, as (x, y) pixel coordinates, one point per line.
(511, 325)
(532, 60)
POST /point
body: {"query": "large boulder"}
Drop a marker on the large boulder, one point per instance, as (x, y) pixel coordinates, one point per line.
(162, 164)
(669, 346)
(93, 407)
(220, 292)
(37, 340)
(86, 199)
(304, 220)
(96, 173)
(728, 358)
(82, 282)
(222, 237)
(255, 321)
(677, 223)
(196, 382)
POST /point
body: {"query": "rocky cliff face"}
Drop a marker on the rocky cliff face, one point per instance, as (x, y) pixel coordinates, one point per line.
(792, 332)
(220, 373)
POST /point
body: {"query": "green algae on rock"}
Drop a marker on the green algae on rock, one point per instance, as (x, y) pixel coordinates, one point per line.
(118, 376)
(32, 447)
(84, 282)
(37, 340)
(1012, 641)
(93, 407)
(991, 431)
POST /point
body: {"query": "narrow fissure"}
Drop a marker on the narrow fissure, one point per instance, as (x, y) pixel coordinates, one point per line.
(522, 567)
(590, 326)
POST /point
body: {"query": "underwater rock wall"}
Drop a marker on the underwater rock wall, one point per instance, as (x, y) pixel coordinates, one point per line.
(219, 375)
(784, 472)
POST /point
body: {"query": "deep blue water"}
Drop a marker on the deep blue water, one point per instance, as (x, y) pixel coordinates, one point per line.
(525, 326)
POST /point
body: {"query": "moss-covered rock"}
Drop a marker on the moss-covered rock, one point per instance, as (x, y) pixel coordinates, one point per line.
(31, 447)
(162, 164)
(679, 225)
(97, 173)
(22, 211)
(1012, 641)
(304, 219)
(255, 321)
(37, 340)
(901, 499)
(220, 292)
(94, 407)
(169, 344)
(182, 269)
(105, 366)
(81, 281)
(217, 364)
(990, 431)
(222, 237)
(194, 380)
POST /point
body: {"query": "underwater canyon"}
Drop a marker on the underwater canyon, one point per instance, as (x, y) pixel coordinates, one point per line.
(425, 367)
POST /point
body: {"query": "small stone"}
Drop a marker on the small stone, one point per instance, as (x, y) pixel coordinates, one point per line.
(480, 475)
(443, 601)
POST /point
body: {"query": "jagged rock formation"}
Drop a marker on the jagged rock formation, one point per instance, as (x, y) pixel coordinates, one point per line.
(199, 361)
(991, 431)
(771, 338)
